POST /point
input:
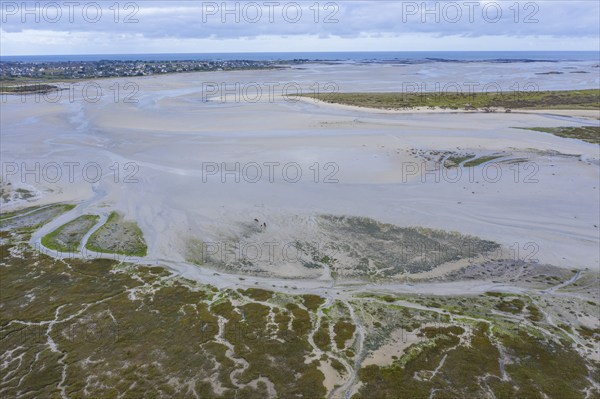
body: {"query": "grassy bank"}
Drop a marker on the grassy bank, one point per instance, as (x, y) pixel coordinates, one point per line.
(591, 134)
(118, 236)
(68, 236)
(28, 88)
(571, 99)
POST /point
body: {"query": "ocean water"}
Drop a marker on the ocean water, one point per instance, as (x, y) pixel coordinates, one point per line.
(407, 57)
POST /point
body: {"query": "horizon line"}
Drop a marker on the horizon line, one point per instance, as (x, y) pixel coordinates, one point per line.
(311, 52)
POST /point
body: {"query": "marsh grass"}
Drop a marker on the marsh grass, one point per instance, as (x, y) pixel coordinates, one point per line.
(137, 331)
(591, 134)
(28, 88)
(22, 219)
(570, 99)
(67, 237)
(118, 236)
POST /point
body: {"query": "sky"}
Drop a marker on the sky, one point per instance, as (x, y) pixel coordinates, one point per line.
(130, 27)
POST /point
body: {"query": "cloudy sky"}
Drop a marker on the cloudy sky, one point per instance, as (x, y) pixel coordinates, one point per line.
(126, 27)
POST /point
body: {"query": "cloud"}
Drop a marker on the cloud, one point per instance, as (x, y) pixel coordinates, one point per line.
(277, 24)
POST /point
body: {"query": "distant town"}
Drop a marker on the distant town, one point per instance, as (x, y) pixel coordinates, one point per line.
(31, 71)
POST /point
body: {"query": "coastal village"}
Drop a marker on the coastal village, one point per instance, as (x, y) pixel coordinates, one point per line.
(108, 69)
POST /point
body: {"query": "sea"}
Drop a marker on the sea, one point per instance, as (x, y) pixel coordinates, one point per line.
(407, 57)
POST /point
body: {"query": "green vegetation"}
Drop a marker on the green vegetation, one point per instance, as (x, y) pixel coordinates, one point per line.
(118, 237)
(301, 323)
(6, 215)
(312, 302)
(140, 332)
(514, 306)
(589, 333)
(281, 360)
(455, 160)
(119, 329)
(315, 259)
(68, 236)
(481, 160)
(534, 313)
(544, 368)
(29, 89)
(33, 218)
(322, 338)
(343, 332)
(258, 294)
(591, 134)
(397, 380)
(338, 366)
(495, 294)
(111, 328)
(571, 99)
(432, 332)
